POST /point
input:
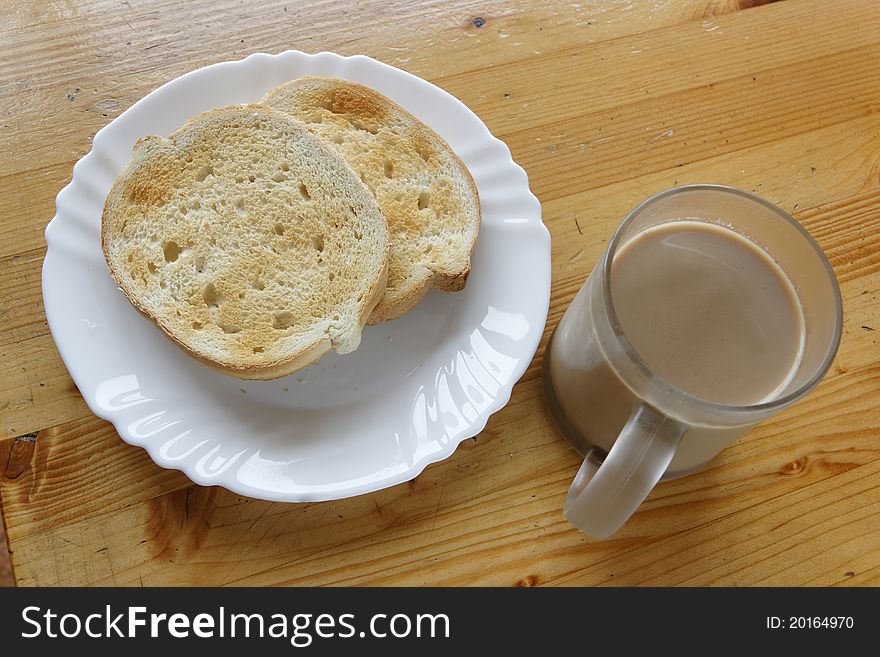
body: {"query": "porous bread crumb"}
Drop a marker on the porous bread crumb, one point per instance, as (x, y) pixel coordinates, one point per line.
(424, 190)
(248, 241)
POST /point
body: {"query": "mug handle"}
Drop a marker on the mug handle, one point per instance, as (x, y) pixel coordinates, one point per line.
(605, 494)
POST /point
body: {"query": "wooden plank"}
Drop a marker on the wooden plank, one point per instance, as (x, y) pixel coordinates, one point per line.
(630, 141)
(30, 205)
(89, 472)
(450, 523)
(496, 499)
(21, 307)
(35, 388)
(7, 579)
(93, 80)
(805, 174)
(586, 79)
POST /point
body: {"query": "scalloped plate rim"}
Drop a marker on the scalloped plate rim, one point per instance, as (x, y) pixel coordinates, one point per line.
(531, 215)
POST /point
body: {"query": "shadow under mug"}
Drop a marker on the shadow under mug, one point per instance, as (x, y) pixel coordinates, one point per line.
(633, 426)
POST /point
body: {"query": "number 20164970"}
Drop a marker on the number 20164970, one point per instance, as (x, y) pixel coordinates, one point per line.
(809, 623)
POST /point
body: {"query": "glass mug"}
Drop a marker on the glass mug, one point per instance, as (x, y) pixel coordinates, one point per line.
(634, 426)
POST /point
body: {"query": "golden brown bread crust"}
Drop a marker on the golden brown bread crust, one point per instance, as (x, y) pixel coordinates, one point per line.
(151, 185)
(423, 188)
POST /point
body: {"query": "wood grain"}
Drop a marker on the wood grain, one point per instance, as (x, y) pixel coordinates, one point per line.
(603, 103)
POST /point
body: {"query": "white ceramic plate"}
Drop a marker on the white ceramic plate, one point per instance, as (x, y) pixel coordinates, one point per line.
(413, 390)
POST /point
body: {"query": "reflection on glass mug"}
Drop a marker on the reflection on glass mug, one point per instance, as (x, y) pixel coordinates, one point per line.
(709, 311)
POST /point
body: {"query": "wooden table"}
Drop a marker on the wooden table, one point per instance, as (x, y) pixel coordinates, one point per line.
(603, 102)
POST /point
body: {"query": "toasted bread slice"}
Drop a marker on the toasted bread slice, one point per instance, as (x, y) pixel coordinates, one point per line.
(424, 190)
(248, 241)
